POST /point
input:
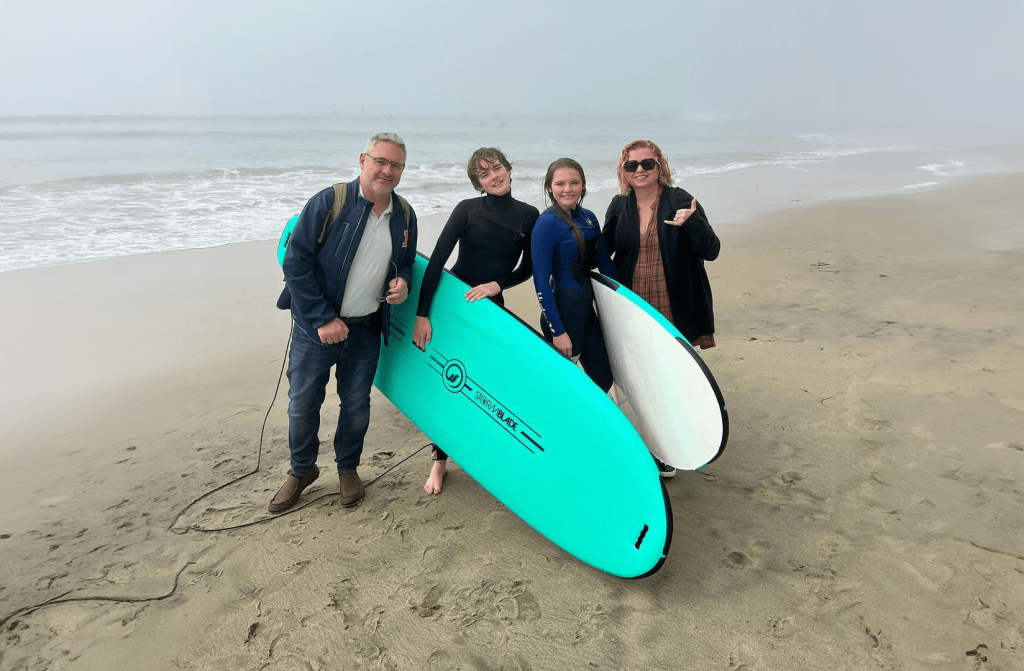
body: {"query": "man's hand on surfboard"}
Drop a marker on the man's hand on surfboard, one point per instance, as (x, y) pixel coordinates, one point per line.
(683, 215)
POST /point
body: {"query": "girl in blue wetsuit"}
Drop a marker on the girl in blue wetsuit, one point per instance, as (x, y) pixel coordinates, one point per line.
(566, 244)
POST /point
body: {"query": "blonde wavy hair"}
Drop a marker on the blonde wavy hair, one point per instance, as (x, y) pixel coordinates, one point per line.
(664, 175)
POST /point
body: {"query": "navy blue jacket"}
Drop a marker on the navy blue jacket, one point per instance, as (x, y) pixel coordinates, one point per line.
(315, 272)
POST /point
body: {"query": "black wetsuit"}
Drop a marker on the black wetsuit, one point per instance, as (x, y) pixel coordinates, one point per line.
(493, 234)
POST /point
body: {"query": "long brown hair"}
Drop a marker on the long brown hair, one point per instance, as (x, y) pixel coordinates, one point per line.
(664, 175)
(548, 178)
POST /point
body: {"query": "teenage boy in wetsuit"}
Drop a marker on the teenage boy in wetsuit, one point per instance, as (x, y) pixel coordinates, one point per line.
(493, 233)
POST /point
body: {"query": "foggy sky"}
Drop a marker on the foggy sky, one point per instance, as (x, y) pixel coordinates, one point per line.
(930, 65)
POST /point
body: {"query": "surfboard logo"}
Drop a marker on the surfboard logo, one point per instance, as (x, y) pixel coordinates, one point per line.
(454, 376)
(456, 380)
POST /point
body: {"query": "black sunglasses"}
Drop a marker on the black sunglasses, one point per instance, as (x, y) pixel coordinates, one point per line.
(647, 164)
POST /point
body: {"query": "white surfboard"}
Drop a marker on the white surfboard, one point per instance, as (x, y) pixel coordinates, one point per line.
(679, 410)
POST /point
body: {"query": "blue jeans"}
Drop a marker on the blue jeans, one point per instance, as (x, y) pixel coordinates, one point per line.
(309, 371)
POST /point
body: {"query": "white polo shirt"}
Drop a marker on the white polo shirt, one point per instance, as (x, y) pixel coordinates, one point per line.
(368, 276)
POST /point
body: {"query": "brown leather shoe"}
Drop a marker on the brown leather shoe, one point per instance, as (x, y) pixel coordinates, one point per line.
(352, 490)
(291, 490)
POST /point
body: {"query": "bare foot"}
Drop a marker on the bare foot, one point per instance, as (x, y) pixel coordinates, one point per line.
(434, 482)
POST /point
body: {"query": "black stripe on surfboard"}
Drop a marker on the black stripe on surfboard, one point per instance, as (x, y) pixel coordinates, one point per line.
(514, 414)
(718, 395)
(532, 441)
(471, 385)
(398, 328)
(607, 281)
(517, 418)
(499, 423)
(443, 361)
(395, 318)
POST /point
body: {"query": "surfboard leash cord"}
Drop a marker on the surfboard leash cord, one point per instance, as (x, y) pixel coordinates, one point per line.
(64, 598)
(259, 459)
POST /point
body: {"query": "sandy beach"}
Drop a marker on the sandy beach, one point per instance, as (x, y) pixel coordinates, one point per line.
(868, 512)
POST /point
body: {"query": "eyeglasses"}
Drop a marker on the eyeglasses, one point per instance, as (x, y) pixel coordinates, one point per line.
(383, 162)
(647, 164)
(387, 287)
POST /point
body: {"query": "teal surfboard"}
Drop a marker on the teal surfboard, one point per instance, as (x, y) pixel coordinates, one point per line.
(530, 427)
(286, 235)
(679, 409)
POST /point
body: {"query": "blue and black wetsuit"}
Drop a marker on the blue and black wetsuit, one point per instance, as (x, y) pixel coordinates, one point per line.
(561, 277)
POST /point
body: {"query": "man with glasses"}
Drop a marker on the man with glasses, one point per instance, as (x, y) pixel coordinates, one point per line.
(343, 270)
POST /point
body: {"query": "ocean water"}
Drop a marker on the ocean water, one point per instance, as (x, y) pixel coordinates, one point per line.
(81, 188)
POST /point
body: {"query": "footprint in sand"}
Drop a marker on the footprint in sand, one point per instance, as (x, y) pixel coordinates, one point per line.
(811, 571)
(440, 660)
(430, 604)
(738, 559)
(781, 627)
(527, 607)
(593, 619)
(790, 477)
(736, 663)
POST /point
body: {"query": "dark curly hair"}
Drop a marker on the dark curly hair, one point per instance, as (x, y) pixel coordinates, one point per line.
(488, 155)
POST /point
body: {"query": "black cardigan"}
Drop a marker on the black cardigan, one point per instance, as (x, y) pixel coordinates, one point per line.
(683, 252)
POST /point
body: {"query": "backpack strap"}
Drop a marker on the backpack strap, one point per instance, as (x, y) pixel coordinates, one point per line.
(408, 211)
(340, 194)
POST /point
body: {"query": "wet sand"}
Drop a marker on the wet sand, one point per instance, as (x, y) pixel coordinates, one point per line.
(867, 512)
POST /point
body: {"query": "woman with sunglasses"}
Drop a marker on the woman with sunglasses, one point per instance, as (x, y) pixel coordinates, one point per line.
(659, 239)
(493, 234)
(566, 245)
